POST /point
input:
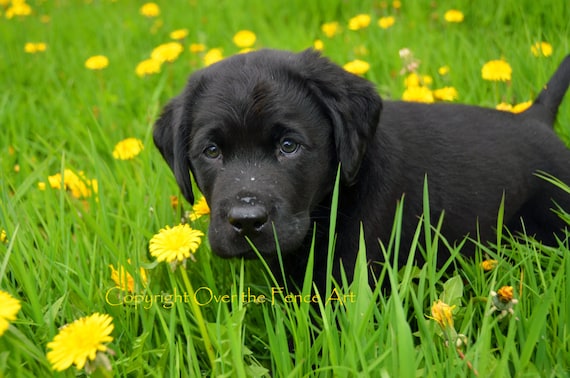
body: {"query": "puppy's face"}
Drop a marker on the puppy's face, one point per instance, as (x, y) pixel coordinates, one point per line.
(263, 134)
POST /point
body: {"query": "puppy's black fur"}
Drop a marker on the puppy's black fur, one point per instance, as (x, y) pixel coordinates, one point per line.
(263, 134)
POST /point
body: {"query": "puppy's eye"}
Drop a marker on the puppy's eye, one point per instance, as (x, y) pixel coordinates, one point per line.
(288, 146)
(212, 151)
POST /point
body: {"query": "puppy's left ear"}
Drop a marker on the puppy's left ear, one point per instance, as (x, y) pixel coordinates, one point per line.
(170, 139)
(352, 104)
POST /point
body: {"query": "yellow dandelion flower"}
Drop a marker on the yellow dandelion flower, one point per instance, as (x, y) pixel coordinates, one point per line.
(386, 22)
(505, 107)
(97, 62)
(9, 308)
(442, 313)
(318, 45)
(213, 56)
(246, 50)
(360, 21)
(496, 70)
(77, 184)
(519, 108)
(18, 8)
(197, 48)
(505, 294)
(357, 67)
(167, 52)
(541, 49)
(489, 264)
(179, 34)
(396, 4)
(418, 94)
(199, 209)
(453, 16)
(3, 236)
(412, 80)
(445, 94)
(32, 47)
(80, 341)
(124, 280)
(175, 244)
(330, 28)
(244, 38)
(415, 80)
(127, 149)
(150, 10)
(443, 70)
(147, 67)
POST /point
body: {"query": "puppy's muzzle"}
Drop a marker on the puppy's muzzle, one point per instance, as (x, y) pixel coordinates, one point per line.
(248, 220)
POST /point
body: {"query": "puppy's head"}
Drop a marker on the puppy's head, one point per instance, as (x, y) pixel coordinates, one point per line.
(263, 134)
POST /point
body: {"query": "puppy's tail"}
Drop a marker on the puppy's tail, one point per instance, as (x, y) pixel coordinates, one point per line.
(545, 106)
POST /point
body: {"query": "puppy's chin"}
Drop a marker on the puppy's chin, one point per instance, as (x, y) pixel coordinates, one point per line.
(243, 249)
(227, 244)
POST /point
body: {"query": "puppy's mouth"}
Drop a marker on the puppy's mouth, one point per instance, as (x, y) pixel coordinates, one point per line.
(246, 228)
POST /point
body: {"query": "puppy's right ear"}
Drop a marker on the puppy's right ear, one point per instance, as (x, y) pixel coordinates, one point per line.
(171, 137)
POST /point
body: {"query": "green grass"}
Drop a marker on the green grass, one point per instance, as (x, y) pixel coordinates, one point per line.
(56, 114)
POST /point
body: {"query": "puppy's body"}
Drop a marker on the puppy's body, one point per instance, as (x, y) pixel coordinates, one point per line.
(263, 134)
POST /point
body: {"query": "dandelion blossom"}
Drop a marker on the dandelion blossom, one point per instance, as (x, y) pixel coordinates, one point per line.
(33, 47)
(244, 39)
(179, 34)
(197, 48)
(418, 94)
(453, 16)
(150, 10)
(489, 264)
(386, 22)
(318, 45)
(124, 280)
(358, 22)
(357, 67)
(505, 107)
(9, 308)
(3, 236)
(443, 70)
(77, 184)
(496, 70)
(445, 94)
(18, 8)
(175, 244)
(80, 341)
(147, 67)
(213, 56)
(330, 28)
(97, 62)
(521, 107)
(541, 49)
(503, 301)
(199, 209)
(127, 149)
(167, 52)
(442, 313)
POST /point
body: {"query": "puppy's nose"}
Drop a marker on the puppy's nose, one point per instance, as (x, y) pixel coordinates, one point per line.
(248, 220)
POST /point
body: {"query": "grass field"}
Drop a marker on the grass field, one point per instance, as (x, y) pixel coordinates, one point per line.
(61, 122)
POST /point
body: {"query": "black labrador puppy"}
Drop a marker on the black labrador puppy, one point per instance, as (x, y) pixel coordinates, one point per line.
(263, 134)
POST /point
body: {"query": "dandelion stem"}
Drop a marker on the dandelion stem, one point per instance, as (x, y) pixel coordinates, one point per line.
(200, 320)
(469, 364)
